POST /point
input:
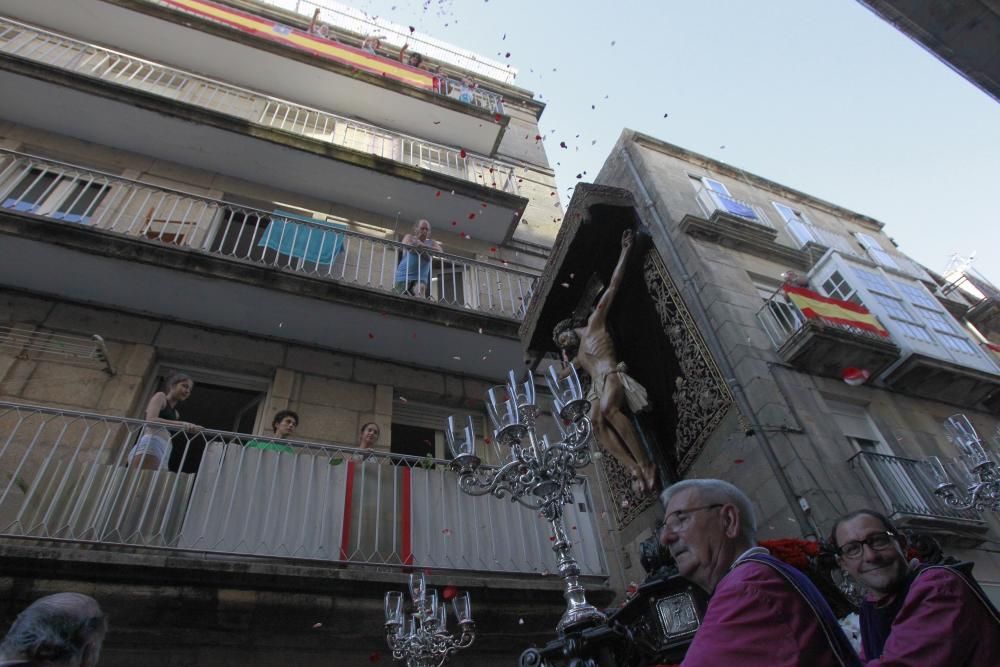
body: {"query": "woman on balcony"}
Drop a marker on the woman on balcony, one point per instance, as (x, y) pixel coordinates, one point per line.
(413, 273)
(152, 452)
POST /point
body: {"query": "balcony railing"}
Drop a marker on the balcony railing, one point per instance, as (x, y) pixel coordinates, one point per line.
(67, 193)
(713, 202)
(362, 23)
(363, 26)
(90, 60)
(65, 478)
(781, 320)
(906, 488)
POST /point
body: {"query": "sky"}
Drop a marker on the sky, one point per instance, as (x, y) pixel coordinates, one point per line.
(819, 95)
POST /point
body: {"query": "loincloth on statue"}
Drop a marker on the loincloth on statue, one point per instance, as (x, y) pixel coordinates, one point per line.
(635, 393)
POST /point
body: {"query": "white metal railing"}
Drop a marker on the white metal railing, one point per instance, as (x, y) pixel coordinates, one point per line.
(90, 60)
(330, 251)
(713, 202)
(65, 477)
(905, 487)
(363, 24)
(781, 319)
(341, 17)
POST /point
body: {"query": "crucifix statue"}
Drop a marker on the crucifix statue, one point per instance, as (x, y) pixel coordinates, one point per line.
(611, 389)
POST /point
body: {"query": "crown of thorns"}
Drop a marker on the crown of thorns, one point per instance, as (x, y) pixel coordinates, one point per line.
(569, 324)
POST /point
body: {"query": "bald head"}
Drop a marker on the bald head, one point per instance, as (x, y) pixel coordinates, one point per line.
(65, 629)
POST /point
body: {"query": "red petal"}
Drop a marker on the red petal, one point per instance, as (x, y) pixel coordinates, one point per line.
(371, 335)
(461, 153)
(448, 593)
(472, 216)
(437, 194)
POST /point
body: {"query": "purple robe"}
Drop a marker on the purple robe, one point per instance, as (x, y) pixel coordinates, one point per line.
(756, 619)
(941, 622)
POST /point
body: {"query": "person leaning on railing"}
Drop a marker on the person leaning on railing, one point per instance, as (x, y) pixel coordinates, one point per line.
(284, 424)
(152, 451)
(413, 273)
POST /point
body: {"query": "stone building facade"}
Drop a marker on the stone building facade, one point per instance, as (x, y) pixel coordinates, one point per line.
(150, 148)
(811, 417)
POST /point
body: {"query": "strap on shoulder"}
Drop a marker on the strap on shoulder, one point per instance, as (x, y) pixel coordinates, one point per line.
(831, 640)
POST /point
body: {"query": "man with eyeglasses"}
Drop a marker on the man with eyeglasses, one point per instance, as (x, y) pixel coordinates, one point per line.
(913, 614)
(762, 612)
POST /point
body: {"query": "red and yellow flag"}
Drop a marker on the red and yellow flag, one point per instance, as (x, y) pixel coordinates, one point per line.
(845, 313)
(302, 40)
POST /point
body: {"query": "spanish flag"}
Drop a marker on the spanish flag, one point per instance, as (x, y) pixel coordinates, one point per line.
(833, 311)
(302, 40)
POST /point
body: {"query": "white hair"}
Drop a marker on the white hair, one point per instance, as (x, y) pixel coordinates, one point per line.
(718, 491)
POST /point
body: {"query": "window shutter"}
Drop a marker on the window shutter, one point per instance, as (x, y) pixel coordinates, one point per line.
(875, 251)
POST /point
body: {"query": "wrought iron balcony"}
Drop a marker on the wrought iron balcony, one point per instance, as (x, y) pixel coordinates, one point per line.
(91, 60)
(281, 240)
(822, 344)
(242, 495)
(907, 490)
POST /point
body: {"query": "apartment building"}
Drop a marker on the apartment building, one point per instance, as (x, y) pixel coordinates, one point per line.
(212, 188)
(787, 345)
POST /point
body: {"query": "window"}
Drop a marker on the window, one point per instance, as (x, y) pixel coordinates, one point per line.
(798, 225)
(875, 251)
(63, 196)
(718, 199)
(838, 288)
(875, 281)
(786, 316)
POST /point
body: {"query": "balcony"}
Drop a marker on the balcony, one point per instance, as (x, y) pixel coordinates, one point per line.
(251, 548)
(821, 343)
(223, 494)
(145, 107)
(907, 493)
(257, 53)
(66, 222)
(938, 359)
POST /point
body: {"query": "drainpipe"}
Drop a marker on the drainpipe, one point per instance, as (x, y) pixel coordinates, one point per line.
(693, 299)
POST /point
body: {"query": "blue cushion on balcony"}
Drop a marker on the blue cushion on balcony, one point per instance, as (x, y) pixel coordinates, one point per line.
(306, 242)
(737, 207)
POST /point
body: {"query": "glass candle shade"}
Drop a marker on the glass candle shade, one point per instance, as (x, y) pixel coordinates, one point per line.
(936, 472)
(461, 437)
(961, 432)
(463, 608)
(418, 588)
(523, 392)
(394, 607)
(502, 411)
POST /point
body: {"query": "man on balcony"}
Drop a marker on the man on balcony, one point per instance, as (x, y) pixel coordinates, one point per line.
(914, 614)
(61, 630)
(763, 612)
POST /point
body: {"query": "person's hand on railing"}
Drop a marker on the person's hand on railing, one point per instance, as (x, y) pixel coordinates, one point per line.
(191, 428)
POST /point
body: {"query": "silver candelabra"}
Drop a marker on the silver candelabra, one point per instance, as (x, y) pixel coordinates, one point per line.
(536, 473)
(983, 486)
(425, 640)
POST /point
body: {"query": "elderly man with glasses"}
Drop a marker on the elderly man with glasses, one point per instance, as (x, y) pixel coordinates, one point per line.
(762, 612)
(914, 615)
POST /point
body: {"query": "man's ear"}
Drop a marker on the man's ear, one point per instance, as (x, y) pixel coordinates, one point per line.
(730, 520)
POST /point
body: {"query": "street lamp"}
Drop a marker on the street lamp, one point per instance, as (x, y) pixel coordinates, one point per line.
(536, 473)
(425, 640)
(983, 489)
